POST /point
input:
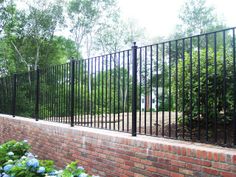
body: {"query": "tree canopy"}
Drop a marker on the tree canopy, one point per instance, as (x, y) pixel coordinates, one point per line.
(196, 17)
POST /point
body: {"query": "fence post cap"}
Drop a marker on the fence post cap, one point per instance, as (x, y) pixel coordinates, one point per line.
(72, 59)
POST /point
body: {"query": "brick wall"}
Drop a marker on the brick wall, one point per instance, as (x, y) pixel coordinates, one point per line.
(107, 153)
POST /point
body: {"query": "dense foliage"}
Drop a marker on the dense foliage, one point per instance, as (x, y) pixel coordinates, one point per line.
(207, 93)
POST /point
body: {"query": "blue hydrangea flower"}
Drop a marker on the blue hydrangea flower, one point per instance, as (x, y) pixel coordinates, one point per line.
(41, 170)
(32, 163)
(7, 167)
(5, 175)
(23, 157)
(80, 168)
(10, 153)
(29, 155)
(83, 175)
(19, 165)
(53, 173)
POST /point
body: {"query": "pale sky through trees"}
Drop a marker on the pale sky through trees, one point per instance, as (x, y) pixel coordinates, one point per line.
(156, 19)
(159, 17)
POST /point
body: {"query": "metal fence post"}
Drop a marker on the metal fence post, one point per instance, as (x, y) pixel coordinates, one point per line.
(72, 65)
(37, 96)
(134, 89)
(14, 96)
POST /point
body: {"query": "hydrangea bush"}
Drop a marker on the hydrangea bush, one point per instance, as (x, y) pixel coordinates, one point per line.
(17, 161)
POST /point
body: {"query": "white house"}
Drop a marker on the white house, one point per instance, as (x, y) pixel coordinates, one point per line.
(150, 102)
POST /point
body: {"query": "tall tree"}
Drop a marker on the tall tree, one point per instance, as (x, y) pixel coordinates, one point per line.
(197, 17)
(116, 34)
(109, 37)
(84, 15)
(7, 12)
(8, 22)
(34, 32)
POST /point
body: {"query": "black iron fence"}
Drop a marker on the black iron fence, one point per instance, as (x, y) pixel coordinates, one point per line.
(181, 89)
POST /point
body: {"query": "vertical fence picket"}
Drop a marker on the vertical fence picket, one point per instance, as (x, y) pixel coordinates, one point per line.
(234, 80)
(72, 82)
(37, 95)
(234, 86)
(14, 96)
(134, 89)
(163, 90)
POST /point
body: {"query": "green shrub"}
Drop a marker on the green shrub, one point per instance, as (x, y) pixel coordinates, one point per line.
(16, 161)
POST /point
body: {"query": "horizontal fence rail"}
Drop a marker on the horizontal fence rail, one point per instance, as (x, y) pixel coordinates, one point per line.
(180, 89)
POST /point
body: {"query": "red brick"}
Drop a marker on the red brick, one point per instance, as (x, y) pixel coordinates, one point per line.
(151, 169)
(160, 165)
(234, 159)
(179, 151)
(223, 166)
(141, 172)
(138, 175)
(122, 175)
(215, 157)
(139, 165)
(171, 156)
(204, 154)
(186, 171)
(146, 162)
(173, 168)
(206, 163)
(210, 171)
(162, 171)
(129, 163)
(198, 154)
(227, 174)
(190, 160)
(129, 173)
(188, 152)
(135, 159)
(222, 157)
(159, 154)
(194, 167)
(177, 163)
(209, 155)
(175, 149)
(183, 151)
(166, 148)
(125, 167)
(172, 174)
(201, 154)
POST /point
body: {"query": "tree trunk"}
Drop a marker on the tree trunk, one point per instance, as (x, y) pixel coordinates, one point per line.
(37, 57)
